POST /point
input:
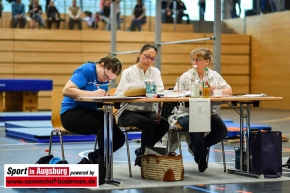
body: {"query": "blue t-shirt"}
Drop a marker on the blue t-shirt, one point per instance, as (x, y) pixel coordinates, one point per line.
(85, 78)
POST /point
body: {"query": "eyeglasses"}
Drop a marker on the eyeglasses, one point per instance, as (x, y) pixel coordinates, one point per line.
(196, 60)
(150, 59)
(106, 76)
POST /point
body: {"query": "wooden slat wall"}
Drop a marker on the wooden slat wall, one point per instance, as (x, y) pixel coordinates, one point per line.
(43, 54)
(269, 55)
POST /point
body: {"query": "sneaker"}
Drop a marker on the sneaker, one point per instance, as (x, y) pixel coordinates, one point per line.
(202, 165)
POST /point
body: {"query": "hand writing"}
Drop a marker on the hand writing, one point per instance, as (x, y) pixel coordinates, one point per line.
(100, 93)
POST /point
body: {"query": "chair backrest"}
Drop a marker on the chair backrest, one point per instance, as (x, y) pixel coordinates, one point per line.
(56, 99)
(112, 91)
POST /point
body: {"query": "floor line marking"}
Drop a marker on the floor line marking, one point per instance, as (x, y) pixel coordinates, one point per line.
(200, 189)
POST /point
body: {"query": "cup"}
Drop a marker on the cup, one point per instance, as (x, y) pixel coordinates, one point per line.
(217, 92)
(150, 95)
(182, 86)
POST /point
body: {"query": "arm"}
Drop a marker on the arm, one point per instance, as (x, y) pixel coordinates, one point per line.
(39, 9)
(143, 14)
(183, 83)
(223, 85)
(70, 14)
(159, 82)
(227, 91)
(48, 12)
(23, 12)
(13, 10)
(184, 7)
(31, 10)
(71, 90)
(124, 80)
(79, 13)
(57, 15)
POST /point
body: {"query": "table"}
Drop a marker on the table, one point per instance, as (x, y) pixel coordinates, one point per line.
(21, 94)
(232, 101)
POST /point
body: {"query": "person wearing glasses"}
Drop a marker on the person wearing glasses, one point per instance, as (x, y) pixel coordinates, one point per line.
(144, 117)
(199, 144)
(90, 79)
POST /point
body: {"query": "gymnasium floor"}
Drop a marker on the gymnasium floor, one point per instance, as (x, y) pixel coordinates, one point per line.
(16, 151)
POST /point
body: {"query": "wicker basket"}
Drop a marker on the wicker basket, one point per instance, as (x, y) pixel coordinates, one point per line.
(163, 168)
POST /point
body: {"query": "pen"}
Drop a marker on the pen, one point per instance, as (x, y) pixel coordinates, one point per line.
(100, 88)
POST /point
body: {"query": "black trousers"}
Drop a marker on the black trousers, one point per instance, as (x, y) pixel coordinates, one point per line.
(53, 20)
(151, 131)
(72, 22)
(86, 122)
(200, 143)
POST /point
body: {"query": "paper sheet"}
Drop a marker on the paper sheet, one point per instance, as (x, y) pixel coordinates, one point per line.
(112, 97)
(199, 115)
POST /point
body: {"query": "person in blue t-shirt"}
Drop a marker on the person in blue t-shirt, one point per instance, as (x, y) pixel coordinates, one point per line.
(84, 118)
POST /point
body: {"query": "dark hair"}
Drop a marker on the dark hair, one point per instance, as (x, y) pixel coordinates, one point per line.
(146, 47)
(112, 63)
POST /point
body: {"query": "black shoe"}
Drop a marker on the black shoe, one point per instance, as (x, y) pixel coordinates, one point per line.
(138, 161)
(138, 153)
(202, 165)
(93, 156)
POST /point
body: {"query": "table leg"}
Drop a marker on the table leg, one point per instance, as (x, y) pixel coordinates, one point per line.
(108, 145)
(244, 146)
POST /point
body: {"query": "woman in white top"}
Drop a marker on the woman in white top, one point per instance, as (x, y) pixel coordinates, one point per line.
(153, 126)
(201, 57)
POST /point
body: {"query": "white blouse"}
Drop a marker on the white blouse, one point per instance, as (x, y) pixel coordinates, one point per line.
(134, 74)
(215, 79)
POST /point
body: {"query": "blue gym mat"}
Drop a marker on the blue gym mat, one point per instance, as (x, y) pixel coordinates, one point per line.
(27, 124)
(32, 124)
(228, 121)
(39, 131)
(252, 126)
(42, 135)
(18, 116)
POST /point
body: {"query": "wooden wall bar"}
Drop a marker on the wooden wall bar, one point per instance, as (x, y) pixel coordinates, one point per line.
(54, 55)
(269, 56)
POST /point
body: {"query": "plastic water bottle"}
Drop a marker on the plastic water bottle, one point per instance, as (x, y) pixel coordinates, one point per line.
(194, 84)
(195, 89)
